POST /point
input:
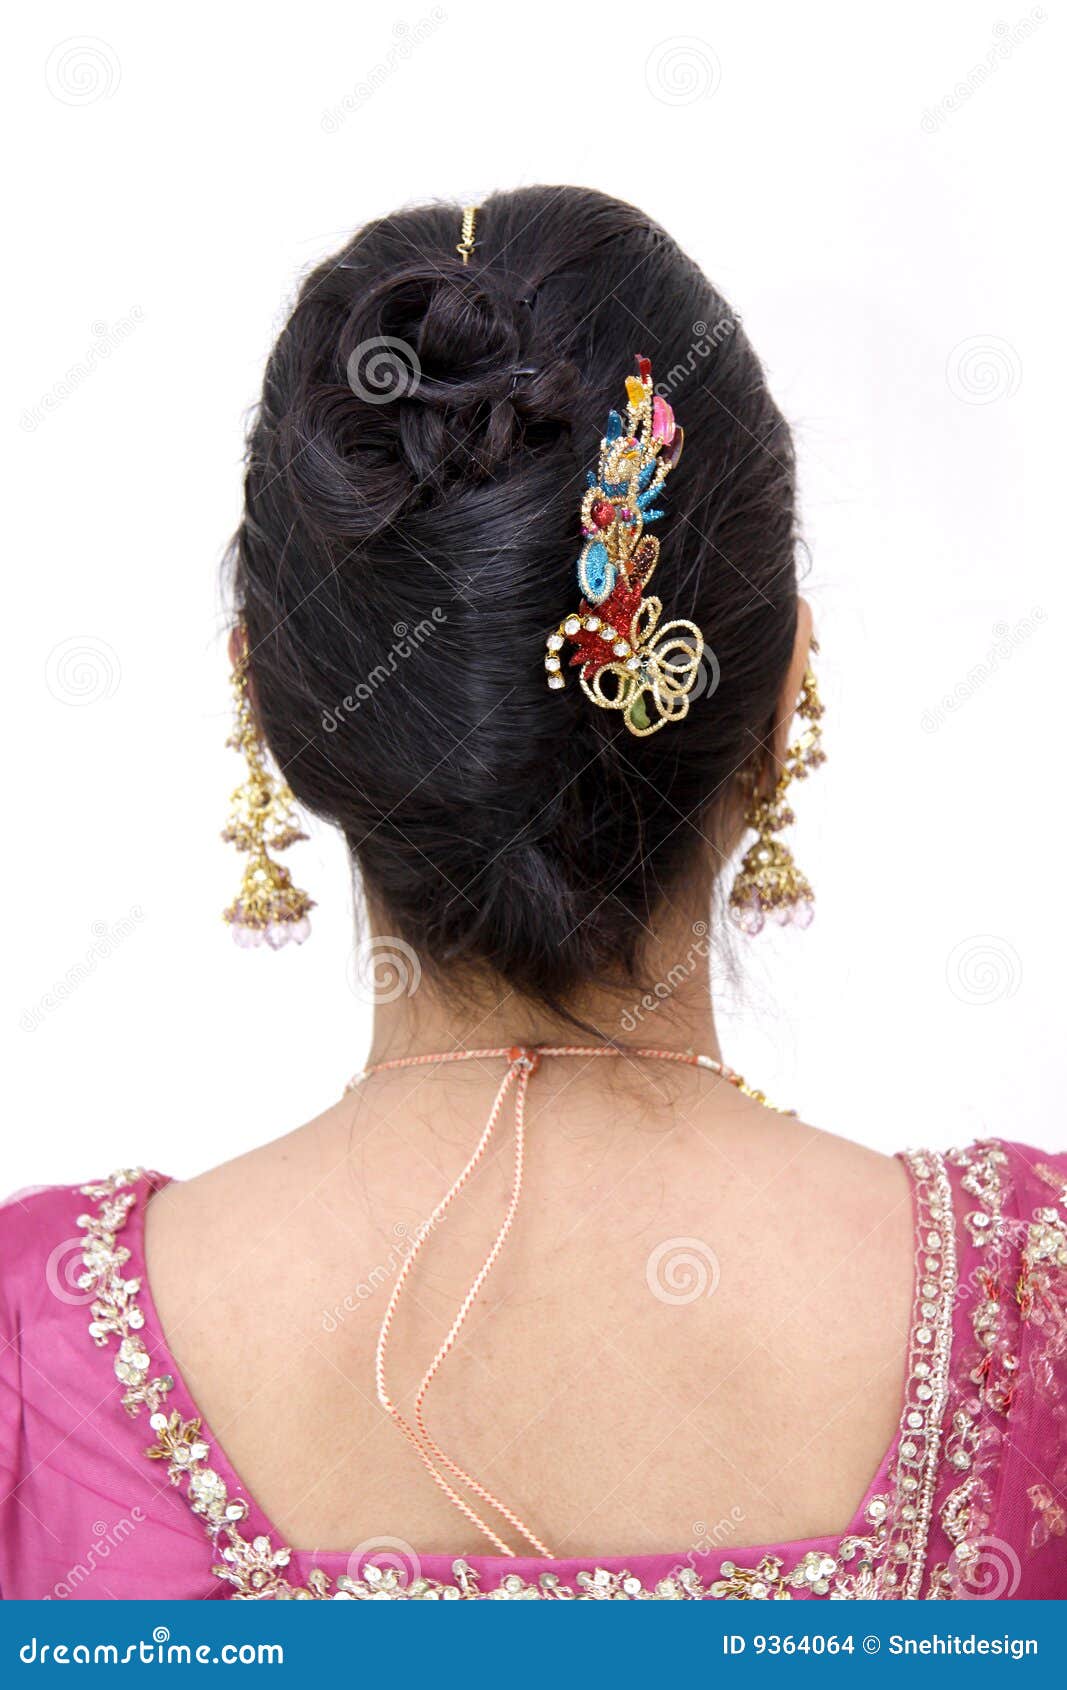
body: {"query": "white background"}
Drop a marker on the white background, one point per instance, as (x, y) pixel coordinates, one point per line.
(896, 261)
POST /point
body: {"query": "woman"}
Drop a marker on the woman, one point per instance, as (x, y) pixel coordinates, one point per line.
(640, 1332)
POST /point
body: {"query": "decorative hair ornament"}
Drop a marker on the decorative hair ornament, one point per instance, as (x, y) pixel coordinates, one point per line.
(627, 659)
(262, 819)
(768, 883)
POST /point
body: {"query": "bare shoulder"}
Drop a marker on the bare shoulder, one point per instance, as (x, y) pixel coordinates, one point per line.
(817, 1185)
(801, 1194)
(210, 1240)
(813, 1226)
(830, 1173)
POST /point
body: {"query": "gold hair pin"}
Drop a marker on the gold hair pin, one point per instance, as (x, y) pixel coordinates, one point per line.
(466, 241)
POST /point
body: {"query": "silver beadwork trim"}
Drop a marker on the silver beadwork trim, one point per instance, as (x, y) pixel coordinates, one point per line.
(929, 1357)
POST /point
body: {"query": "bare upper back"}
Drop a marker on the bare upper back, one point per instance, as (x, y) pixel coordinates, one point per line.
(701, 1314)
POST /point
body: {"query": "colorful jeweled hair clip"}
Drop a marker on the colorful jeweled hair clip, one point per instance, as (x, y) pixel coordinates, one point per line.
(626, 658)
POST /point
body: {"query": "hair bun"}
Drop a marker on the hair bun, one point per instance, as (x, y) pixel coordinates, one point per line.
(414, 480)
(470, 377)
(437, 377)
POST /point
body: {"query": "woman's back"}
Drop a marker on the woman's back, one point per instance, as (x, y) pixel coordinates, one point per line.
(550, 1303)
(704, 1366)
(680, 1254)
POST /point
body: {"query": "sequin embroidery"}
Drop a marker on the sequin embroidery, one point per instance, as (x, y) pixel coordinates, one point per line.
(885, 1561)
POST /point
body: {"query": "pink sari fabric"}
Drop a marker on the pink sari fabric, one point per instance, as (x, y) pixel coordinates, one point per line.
(111, 1485)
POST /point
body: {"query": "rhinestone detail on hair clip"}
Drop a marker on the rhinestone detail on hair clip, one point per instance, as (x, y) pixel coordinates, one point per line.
(627, 659)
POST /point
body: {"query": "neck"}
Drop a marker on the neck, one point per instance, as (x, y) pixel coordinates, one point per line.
(670, 1009)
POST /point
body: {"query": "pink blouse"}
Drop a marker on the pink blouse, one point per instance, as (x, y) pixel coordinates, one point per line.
(111, 1484)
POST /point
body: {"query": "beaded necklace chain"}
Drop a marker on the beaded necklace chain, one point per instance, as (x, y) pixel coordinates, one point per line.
(523, 1062)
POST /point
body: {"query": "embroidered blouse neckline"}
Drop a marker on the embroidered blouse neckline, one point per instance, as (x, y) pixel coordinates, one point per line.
(884, 1544)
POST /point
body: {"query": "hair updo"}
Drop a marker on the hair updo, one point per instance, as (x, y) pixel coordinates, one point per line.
(410, 531)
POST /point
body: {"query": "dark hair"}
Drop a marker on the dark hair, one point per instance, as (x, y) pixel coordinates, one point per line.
(410, 532)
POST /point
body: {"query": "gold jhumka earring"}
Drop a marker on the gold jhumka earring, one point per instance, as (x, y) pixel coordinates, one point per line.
(268, 908)
(769, 885)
